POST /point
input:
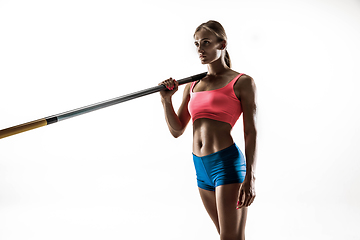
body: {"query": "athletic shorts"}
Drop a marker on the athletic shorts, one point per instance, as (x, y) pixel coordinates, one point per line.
(223, 167)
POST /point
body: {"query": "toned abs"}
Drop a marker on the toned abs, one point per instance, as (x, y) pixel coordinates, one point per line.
(210, 136)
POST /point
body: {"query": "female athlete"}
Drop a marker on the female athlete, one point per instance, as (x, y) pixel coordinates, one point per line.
(225, 177)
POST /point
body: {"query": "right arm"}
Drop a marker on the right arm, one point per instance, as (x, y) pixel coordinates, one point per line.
(176, 122)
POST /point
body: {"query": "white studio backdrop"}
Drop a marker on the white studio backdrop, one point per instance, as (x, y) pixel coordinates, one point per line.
(117, 173)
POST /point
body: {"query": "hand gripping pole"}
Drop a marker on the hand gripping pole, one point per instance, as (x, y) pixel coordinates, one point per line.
(79, 111)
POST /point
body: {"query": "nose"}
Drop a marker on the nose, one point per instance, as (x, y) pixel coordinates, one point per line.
(199, 49)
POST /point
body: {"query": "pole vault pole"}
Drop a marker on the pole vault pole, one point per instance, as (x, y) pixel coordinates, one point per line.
(79, 111)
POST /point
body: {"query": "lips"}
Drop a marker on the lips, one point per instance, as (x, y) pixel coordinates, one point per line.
(202, 56)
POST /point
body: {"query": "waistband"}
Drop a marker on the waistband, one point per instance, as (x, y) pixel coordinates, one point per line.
(222, 153)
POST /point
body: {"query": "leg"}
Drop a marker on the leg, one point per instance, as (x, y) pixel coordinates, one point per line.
(231, 220)
(209, 201)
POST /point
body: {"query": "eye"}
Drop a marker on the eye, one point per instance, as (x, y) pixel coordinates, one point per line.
(206, 42)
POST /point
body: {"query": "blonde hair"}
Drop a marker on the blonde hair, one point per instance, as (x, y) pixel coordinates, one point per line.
(219, 31)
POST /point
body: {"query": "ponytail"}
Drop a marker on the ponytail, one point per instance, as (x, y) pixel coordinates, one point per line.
(227, 59)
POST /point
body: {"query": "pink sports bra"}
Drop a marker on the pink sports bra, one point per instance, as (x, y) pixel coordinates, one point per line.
(219, 104)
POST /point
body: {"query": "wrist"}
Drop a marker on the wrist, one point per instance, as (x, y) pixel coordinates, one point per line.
(166, 100)
(250, 177)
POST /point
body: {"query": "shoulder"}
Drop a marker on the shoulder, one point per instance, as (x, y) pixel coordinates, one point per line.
(188, 86)
(245, 82)
(187, 89)
(244, 78)
(245, 86)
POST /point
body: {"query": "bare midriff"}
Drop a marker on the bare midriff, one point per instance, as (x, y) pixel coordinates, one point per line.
(210, 136)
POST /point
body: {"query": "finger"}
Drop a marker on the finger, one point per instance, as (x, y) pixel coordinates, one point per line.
(167, 84)
(252, 200)
(170, 84)
(162, 83)
(241, 200)
(240, 205)
(247, 200)
(175, 84)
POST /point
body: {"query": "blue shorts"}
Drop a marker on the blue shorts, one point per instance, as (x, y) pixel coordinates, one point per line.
(223, 167)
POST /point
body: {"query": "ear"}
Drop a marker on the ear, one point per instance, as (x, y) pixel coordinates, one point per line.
(223, 44)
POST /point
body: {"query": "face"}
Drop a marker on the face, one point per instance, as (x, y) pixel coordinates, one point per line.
(208, 46)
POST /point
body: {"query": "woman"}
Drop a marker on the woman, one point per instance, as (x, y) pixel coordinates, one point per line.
(225, 180)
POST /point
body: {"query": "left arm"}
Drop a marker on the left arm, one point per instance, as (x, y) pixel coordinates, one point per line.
(245, 89)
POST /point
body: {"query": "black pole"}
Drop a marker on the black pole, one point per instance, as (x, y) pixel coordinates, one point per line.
(79, 111)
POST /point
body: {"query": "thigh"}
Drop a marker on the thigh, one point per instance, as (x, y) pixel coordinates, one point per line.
(231, 220)
(209, 200)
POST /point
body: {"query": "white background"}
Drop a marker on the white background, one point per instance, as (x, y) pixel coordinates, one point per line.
(117, 173)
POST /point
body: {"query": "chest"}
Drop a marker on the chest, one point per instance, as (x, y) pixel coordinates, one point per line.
(202, 86)
(209, 98)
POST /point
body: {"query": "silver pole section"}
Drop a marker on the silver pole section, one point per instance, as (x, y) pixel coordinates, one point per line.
(110, 102)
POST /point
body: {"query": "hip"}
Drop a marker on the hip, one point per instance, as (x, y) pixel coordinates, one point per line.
(228, 163)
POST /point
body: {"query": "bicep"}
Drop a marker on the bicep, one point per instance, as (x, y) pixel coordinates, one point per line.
(248, 103)
(183, 112)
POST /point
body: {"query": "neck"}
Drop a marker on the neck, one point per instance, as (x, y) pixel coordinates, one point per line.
(217, 67)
